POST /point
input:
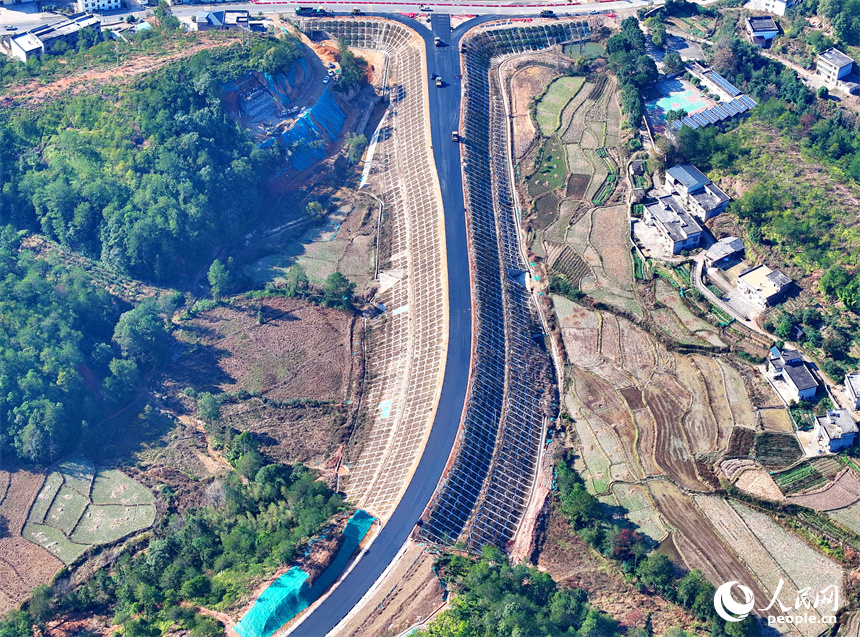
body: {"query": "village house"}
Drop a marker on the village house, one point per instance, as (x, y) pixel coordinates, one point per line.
(852, 388)
(724, 251)
(836, 430)
(220, 20)
(98, 5)
(790, 367)
(698, 193)
(761, 29)
(776, 7)
(678, 229)
(833, 65)
(762, 286)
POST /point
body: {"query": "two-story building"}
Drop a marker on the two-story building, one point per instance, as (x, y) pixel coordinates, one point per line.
(45, 39)
(836, 430)
(99, 6)
(833, 65)
(699, 194)
(852, 388)
(776, 7)
(762, 286)
(789, 366)
(761, 29)
(678, 229)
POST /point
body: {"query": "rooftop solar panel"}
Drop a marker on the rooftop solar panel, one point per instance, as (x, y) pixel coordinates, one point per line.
(688, 121)
(748, 101)
(731, 108)
(742, 106)
(724, 84)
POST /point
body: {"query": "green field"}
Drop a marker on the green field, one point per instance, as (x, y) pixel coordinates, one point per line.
(54, 541)
(108, 523)
(551, 169)
(78, 475)
(549, 109)
(66, 510)
(81, 508)
(586, 50)
(46, 496)
(114, 487)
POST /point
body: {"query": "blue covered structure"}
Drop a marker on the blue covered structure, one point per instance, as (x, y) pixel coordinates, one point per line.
(305, 141)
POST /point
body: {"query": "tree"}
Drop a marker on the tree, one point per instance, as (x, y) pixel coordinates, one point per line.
(142, 334)
(338, 291)
(119, 387)
(598, 624)
(672, 62)
(208, 407)
(315, 210)
(646, 71)
(658, 32)
(655, 571)
(296, 281)
(218, 278)
(823, 93)
(353, 70)
(675, 113)
(355, 145)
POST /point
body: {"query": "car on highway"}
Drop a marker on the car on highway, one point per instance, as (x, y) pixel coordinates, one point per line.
(547, 14)
(455, 136)
(326, 80)
(438, 41)
(425, 7)
(11, 27)
(439, 82)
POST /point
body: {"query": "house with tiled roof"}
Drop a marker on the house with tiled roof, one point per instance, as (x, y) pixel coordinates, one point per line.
(788, 365)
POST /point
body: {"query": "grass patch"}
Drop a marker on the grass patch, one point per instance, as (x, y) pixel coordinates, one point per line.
(66, 510)
(78, 475)
(40, 507)
(585, 50)
(550, 169)
(559, 93)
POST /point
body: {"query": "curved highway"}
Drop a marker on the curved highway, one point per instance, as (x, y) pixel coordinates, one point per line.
(444, 118)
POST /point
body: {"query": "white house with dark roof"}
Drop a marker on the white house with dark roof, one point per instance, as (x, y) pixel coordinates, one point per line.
(852, 388)
(836, 430)
(723, 250)
(762, 286)
(789, 366)
(833, 65)
(699, 194)
(679, 230)
(761, 29)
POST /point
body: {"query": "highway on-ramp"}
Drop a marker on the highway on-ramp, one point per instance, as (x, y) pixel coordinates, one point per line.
(444, 118)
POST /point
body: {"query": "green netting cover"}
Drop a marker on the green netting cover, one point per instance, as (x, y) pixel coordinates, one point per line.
(288, 595)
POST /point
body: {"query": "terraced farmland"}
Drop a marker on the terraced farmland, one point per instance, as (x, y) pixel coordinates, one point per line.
(78, 507)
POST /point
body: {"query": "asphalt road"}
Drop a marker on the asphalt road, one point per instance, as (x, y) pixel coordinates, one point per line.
(444, 118)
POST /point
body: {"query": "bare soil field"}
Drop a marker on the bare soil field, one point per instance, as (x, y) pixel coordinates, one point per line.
(841, 493)
(525, 84)
(700, 546)
(776, 419)
(757, 482)
(671, 450)
(23, 565)
(298, 351)
(573, 563)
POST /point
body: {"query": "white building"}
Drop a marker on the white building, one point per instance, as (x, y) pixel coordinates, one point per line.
(699, 194)
(763, 286)
(836, 430)
(776, 7)
(761, 29)
(833, 65)
(97, 5)
(852, 388)
(788, 366)
(45, 39)
(678, 229)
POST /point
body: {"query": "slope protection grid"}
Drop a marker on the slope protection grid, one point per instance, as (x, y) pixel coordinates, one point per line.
(408, 361)
(488, 487)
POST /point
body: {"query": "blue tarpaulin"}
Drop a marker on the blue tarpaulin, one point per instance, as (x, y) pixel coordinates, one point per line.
(290, 594)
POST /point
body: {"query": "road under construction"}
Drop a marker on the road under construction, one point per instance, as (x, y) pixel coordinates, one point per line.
(473, 478)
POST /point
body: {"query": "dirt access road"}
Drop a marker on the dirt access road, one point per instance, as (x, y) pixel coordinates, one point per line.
(35, 93)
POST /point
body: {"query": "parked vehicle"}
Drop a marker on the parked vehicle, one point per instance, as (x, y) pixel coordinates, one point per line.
(438, 41)
(439, 83)
(547, 14)
(455, 136)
